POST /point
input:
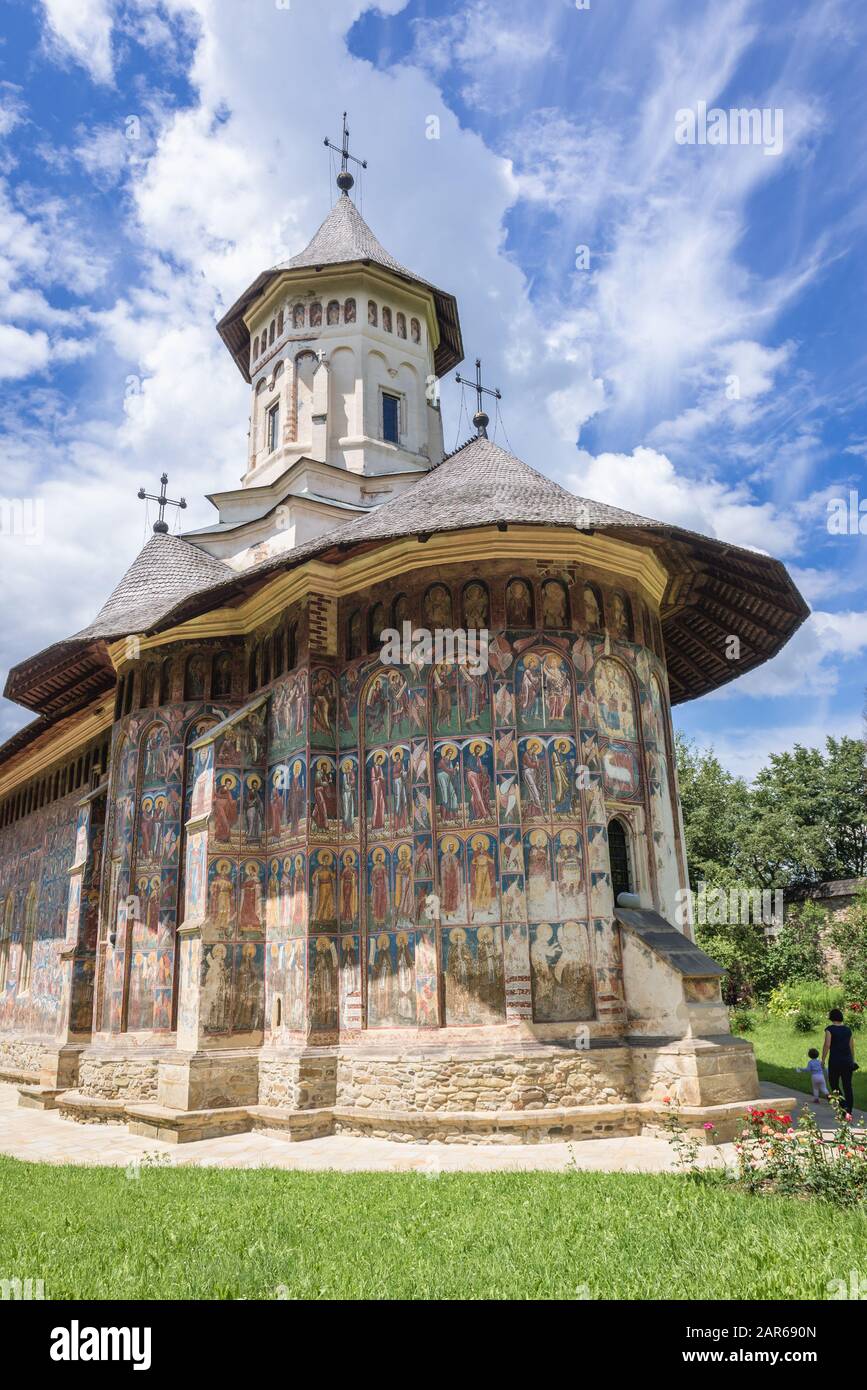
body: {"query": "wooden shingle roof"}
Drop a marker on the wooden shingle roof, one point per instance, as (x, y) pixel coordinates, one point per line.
(715, 590)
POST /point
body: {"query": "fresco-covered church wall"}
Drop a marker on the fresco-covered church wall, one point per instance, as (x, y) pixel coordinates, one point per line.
(36, 854)
(149, 800)
(496, 789)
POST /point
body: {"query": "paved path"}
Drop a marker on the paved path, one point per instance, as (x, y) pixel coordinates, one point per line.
(42, 1136)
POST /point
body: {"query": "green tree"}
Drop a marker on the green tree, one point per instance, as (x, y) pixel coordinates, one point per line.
(796, 952)
(820, 803)
(715, 805)
(849, 937)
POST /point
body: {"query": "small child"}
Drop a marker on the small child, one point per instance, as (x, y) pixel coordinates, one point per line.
(817, 1075)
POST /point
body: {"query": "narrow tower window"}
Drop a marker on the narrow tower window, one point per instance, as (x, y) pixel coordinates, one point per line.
(390, 418)
(273, 427)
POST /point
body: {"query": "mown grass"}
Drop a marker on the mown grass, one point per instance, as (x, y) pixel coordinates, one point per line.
(258, 1234)
(779, 1050)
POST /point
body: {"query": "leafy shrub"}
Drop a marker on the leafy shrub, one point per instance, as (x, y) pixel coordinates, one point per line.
(804, 1021)
(775, 1156)
(817, 996)
(742, 1020)
(811, 996)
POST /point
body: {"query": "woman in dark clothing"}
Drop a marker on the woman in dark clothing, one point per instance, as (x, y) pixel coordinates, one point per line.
(839, 1051)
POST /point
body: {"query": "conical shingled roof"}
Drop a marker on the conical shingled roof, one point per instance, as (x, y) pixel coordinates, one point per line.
(165, 572)
(344, 238)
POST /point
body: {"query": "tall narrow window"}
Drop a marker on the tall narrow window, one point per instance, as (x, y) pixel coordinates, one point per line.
(618, 854)
(273, 427)
(390, 418)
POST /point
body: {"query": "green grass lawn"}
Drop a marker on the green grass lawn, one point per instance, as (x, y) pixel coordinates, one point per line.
(235, 1233)
(779, 1050)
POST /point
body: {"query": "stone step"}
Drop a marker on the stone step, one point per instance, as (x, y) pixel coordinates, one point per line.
(91, 1110)
(40, 1097)
(292, 1124)
(186, 1126)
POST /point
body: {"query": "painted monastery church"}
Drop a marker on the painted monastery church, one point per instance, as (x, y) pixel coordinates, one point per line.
(253, 876)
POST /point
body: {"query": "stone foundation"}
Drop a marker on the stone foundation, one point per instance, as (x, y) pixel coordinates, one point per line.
(490, 1080)
(298, 1081)
(118, 1076)
(200, 1081)
(22, 1059)
(492, 1092)
(694, 1071)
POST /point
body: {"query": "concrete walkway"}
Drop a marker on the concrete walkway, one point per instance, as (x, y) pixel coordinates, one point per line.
(42, 1136)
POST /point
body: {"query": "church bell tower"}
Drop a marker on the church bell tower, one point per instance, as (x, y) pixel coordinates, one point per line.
(342, 347)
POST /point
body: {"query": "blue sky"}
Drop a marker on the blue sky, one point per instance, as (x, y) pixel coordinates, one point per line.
(703, 365)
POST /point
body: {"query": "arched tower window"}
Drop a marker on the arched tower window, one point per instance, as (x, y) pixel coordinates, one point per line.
(349, 311)
(401, 324)
(332, 313)
(253, 670)
(372, 313)
(619, 858)
(386, 319)
(316, 315)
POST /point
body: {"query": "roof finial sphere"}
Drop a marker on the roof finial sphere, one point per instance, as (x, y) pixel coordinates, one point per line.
(481, 420)
(345, 180)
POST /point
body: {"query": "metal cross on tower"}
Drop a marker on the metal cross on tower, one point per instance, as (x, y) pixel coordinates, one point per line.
(161, 526)
(344, 178)
(481, 419)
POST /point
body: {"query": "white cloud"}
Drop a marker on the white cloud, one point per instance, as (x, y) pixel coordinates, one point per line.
(809, 664)
(104, 153)
(21, 353)
(13, 109)
(648, 483)
(82, 30)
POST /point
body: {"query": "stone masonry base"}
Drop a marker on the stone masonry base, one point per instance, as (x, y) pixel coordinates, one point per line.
(476, 1094)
